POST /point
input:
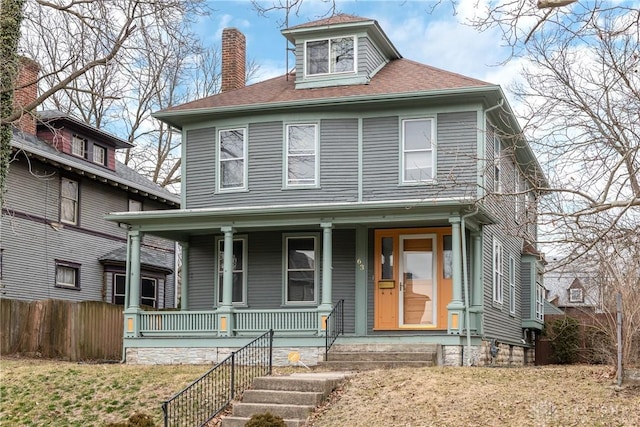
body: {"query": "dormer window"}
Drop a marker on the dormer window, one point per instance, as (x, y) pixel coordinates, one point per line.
(79, 146)
(99, 155)
(330, 56)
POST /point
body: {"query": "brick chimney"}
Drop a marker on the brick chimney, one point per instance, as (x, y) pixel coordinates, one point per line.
(26, 91)
(234, 58)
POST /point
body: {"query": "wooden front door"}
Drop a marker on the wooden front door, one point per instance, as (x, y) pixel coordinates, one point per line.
(412, 278)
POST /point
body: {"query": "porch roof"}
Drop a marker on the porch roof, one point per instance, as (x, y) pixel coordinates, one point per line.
(179, 224)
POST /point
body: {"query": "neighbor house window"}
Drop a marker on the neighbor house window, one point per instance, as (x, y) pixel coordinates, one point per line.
(575, 295)
(68, 201)
(119, 289)
(300, 269)
(497, 159)
(239, 270)
(329, 56)
(418, 136)
(512, 285)
(302, 158)
(79, 146)
(232, 165)
(148, 290)
(67, 275)
(99, 155)
(498, 275)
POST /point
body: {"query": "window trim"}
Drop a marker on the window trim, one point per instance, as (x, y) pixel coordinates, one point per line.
(245, 269)
(512, 285)
(498, 271)
(123, 274)
(285, 267)
(576, 300)
(76, 202)
(99, 149)
(85, 143)
(219, 160)
(316, 154)
(497, 163)
(539, 302)
(70, 266)
(432, 150)
(155, 291)
(330, 73)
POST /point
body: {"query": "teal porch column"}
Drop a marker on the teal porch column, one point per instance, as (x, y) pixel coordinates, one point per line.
(184, 277)
(225, 311)
(132, 285)
(327, 269)
(477, 287)
(455, 309)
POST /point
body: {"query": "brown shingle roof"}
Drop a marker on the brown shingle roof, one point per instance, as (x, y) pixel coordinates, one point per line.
(342, 18)
(397, 77)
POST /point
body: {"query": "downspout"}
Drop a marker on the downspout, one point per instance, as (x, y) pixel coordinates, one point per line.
(465, 278)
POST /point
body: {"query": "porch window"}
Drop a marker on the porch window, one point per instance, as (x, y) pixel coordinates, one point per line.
(302, 159)
(239, 270)
(512, 285)
(232, 165)
(418, 161)
(67, 275)
(301, 272)
(68, 201)
(329, 56)
(498, 274)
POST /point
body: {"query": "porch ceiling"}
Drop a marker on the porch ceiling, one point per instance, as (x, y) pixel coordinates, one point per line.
(179, 224)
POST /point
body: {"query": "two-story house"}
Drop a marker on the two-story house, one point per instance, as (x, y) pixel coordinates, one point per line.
(55, 242)
(403, 190)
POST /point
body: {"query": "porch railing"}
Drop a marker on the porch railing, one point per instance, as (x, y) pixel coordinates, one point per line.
(207, 396)
(335, 326)
(178, 322)
(250, 321)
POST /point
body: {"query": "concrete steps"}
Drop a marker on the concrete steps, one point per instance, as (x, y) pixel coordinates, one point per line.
(350, 357)
(292, 397)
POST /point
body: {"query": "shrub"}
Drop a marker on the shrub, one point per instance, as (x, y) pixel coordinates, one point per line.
(565, 339)
(265, 420)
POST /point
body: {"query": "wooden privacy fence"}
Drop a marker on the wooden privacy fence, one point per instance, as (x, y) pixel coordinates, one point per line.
(76, 331)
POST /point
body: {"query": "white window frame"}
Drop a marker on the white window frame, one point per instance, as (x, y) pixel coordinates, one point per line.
(539, 302)
(243, 268)
(79, 146)
(292, 236)
(289, 183)
(404, 151)
(577, 297)
(330, 64)
(72, 267)
(512, 285)
(102, 157)
(154, 300)
(219, 184)
(498, 271)
(497, 163)
(73, 201)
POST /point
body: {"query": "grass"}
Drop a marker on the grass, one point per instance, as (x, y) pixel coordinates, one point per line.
(53, 393)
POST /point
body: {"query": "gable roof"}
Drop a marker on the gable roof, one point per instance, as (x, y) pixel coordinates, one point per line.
(341, 18)
(48, 116)
(400, 77)
(123, 177)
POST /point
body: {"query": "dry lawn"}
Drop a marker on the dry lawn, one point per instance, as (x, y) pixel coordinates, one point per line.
(53, 393)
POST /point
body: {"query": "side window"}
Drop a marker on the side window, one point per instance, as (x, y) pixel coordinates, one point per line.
(67, 275)
(418, 160)
(148, 291)
(300, 269)
(119, 289)
(498, 272)
(69, 201)
(239, 289)
(232, 156)
(302, 155)
(512, 285)
(497, 163)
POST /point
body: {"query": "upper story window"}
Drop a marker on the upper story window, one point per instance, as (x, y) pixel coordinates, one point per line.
(418, 160)
(300, 269)
(69, 201)
(239, 270)
(79, 146)
(302, 158)
(99, 155)
(512, 285)
(498, 272)
(575, 295)
(497, 159)
(330, 56)
(232, 164)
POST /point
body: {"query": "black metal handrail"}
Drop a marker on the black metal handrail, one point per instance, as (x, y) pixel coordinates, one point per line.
(334, 326)
(207, 396)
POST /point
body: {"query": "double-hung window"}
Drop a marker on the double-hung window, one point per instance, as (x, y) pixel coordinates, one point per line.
(68, 201)
(540, 302)
(238, 270)
(330, 56)
(498, 274)
(232, 159)
(418, 159)
(300, 269)
(512, 285)
(67, 275)
(302, 155)
(79, 146)
(99, 155)
(497, 166)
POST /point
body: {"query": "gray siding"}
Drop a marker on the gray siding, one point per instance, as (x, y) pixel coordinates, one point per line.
(200, 173)
(525, 279)
(369, 57)
(200, 286)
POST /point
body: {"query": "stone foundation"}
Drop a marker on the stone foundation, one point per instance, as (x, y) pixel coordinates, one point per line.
(508, 355)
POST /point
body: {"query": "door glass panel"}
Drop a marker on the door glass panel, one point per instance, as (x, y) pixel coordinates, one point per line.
(418, 285)
(387, 259)
(447, 257)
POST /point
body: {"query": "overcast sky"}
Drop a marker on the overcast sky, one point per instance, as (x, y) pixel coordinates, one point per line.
(434, 37)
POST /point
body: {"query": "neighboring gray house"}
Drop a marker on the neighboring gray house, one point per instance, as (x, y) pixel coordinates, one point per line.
(572, 285)
(404, 190)
(55, 242)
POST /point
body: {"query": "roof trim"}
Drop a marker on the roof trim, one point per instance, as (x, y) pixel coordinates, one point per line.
(54, 115)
